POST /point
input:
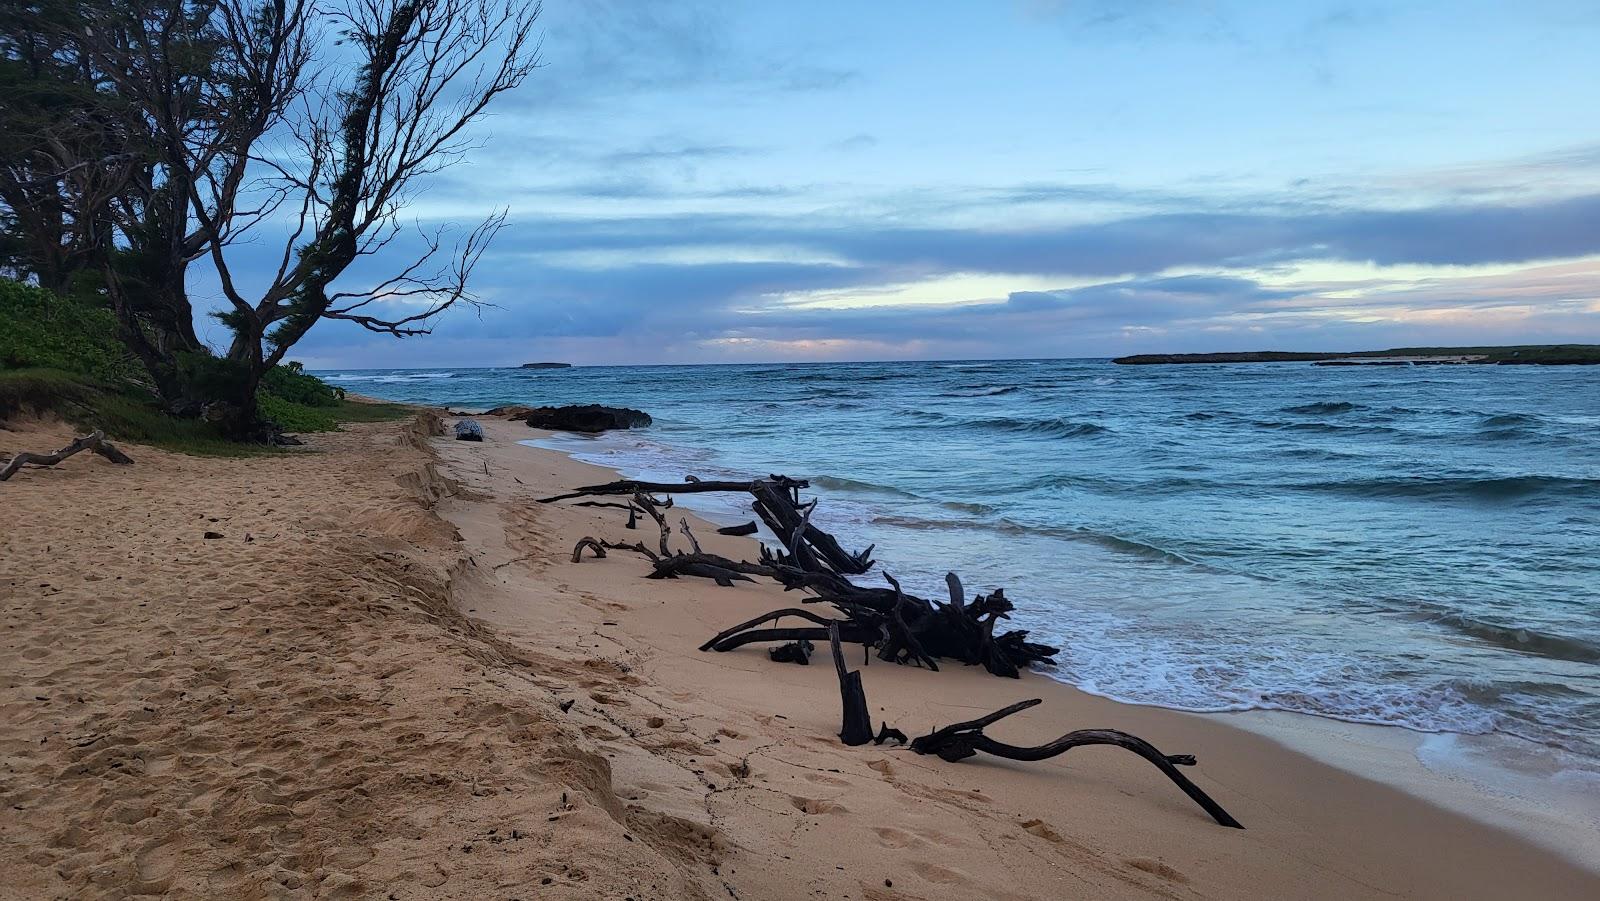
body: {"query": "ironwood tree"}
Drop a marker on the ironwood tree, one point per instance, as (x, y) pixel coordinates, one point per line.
(305, 125)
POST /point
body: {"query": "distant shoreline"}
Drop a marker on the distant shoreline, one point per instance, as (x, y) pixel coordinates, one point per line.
(1513, 355)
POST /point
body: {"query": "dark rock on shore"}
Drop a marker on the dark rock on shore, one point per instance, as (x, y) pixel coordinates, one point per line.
(587, 418)
(511, 411)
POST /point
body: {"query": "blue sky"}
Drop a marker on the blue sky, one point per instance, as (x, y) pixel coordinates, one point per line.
(727, 182)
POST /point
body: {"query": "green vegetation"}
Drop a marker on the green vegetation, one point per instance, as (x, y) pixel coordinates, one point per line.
(130, 141)
(63, 357)
(40, 330)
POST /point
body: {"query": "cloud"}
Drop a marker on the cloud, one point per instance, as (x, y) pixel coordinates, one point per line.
(1448, 235)
(855, 142)
(1172, 281)
(609, 50)
(673, 153)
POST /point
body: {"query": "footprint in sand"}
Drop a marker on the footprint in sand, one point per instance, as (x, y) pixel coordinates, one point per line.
(1157, 868)
(816, 806)
(938, 874)
(1043, 830)
(890, 837)
(825, 779)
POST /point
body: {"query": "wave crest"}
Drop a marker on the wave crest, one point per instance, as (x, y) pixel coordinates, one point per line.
(1491, 488)
(1324, 408)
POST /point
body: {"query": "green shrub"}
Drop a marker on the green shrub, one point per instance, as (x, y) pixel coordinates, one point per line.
(292, 383)
(296, 417)
(39, 330)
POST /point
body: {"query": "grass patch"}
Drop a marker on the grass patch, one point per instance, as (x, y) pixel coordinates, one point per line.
(350, 411)
(24, 391)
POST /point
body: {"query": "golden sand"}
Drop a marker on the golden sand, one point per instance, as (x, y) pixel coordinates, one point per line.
(358, 692)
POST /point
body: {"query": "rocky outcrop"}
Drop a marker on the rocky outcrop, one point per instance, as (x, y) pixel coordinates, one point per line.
(546, 365)
(590, 418)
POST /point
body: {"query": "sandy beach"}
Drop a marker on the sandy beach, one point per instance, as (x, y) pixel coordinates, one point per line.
(387, 679)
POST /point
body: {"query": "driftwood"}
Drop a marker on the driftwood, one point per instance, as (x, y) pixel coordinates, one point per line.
(856, 728)
(793, 652)
(749, 528)
(94, 441)
(745, 633)
(902, 628)
(593, 545)
(963, 740)
(776, 500)
(889, 733)
(691, 486)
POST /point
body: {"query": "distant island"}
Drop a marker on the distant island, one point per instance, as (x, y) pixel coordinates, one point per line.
(1525, 355)
(546, 365)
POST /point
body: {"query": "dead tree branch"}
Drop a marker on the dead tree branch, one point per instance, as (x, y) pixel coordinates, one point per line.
(963, 740)
(94, 441)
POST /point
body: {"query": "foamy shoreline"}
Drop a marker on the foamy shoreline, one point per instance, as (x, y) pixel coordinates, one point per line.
(1387, 753)
(389, 678)
(1510, 783)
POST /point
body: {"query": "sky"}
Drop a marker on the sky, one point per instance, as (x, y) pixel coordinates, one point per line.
(724, 182)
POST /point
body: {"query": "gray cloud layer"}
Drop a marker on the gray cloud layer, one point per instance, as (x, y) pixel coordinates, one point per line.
(678, 304)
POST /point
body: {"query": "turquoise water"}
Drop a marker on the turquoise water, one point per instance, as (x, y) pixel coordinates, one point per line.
(1410, 546)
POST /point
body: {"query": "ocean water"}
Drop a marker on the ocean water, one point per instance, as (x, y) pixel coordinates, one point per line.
(1414, 546)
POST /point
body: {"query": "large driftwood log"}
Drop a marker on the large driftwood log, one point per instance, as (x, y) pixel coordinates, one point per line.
(691, 486)
(94, 441)
(962, 740)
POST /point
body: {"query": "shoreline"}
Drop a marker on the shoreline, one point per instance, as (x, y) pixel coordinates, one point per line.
(388, 678)
(1503, 782)
(1401, 773)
